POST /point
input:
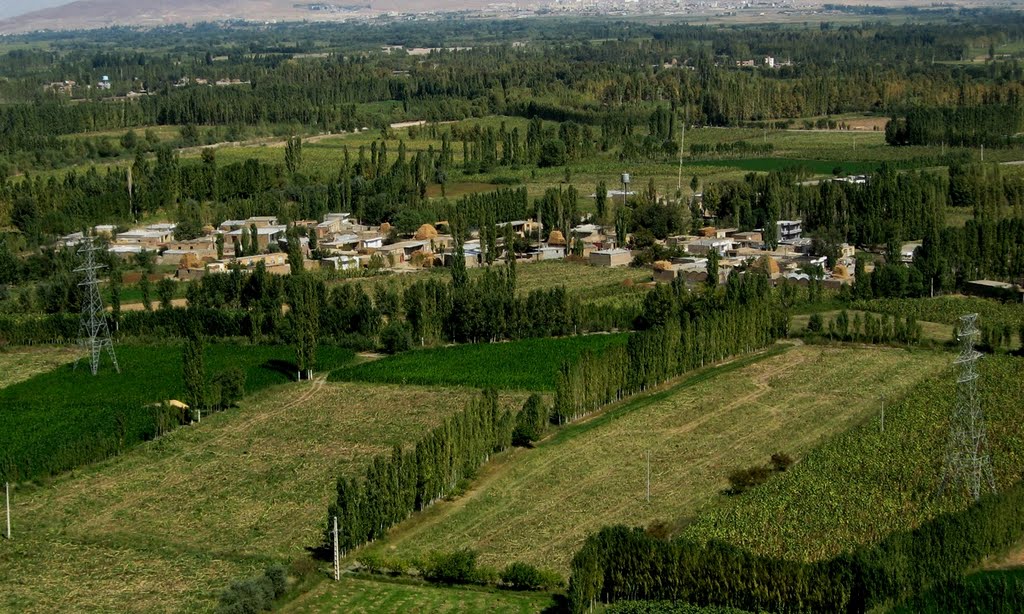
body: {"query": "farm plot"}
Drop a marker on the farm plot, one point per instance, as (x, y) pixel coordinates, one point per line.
(539, 505)
(371, 596)
(529, 364)
(22, 363)
(165, 526)
(875, 481)
(66, 417)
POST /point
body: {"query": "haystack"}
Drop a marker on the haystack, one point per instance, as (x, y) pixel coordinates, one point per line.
(556, 238)
(425, 232)
(385, 229)
(841, 272)
(662, 265)
(708, 231)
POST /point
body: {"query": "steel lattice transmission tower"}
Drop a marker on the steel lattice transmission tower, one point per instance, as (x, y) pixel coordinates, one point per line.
(93, 332)
(968, 465)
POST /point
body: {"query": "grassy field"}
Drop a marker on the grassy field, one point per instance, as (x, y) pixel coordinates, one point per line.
(867, 483)
(529, 364)
(592, 285)
(538, 505)
(21, 363)
(373, 596)
(165, 526)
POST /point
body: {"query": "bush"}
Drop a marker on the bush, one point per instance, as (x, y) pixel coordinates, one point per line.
(256, 594)
(530, 422)
(815, 324)
(396, 337)
(457, 567)
(231, 384)
(525, 577)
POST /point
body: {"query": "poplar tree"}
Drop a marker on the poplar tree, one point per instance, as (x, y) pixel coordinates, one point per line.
(194, 371)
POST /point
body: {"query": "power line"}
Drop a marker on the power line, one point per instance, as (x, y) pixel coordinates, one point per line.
(93, 331)
(968, 465)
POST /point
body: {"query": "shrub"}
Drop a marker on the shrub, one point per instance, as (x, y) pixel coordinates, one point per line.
(530, 422)
(525, 577)
(815, 324)
(451, 568)
(231, 384)
(396, 337)
(255, 594)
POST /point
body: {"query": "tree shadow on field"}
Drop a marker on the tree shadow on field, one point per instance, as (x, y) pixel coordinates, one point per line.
(560, 605)
(321, 552)
(284, 367)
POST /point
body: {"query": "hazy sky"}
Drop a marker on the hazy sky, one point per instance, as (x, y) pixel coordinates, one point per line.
(10, 8)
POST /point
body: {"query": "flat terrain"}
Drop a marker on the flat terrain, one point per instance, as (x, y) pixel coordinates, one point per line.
(22, 363)
(371, 596)
(538, 505)
(167, 525)
(530, 364)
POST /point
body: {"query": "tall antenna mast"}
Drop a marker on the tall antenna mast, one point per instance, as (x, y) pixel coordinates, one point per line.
(967, 461)
(93, 332)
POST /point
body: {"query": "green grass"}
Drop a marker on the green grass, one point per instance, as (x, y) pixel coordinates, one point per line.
(166, 525)
(60, 419)
(529, 364)
(538, 505)
(365, 595)
(867, 483)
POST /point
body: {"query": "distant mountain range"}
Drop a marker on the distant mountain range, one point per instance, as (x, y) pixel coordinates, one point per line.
(85, 14)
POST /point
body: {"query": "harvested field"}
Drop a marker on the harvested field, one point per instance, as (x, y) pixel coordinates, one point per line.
(362, 595)
(21, 363)
(538, 505)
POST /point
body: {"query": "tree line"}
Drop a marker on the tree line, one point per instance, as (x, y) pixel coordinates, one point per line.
(620, 563)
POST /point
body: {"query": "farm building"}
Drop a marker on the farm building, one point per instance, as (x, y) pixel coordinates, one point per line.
(265, 235)
(703, 247)
(611, 257)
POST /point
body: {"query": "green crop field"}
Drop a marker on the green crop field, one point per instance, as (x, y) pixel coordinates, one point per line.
(60, 419)
(867, 483)
(529, 364)
(166, 525)
(538, 505)
(372, 596)
(948, 309)
(18, 364)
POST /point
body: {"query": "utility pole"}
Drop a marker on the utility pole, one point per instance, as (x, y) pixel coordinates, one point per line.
(7, 490)
(337, 559)
(648, 476)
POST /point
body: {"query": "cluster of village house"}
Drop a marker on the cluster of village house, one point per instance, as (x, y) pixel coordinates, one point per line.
(343, 244)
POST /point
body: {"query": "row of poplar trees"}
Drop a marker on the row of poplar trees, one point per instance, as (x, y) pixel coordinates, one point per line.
(678, 331)
(620, 563)
(408, 480)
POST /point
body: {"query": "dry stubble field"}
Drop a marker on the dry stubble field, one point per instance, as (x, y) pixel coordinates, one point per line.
(538, 505)
(167, 525)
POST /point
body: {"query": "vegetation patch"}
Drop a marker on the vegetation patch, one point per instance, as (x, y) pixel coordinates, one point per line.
(529, 364)
(67, 417)
(538, 505)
